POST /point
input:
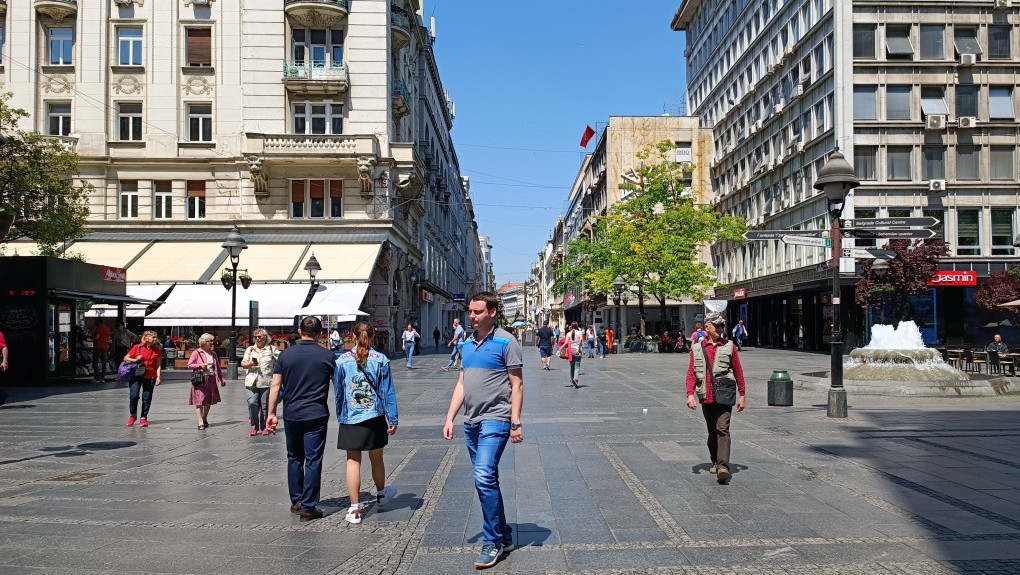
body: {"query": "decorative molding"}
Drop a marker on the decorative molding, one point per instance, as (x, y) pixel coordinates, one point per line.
(366, 166)
(128, 85)
(317, 19)
(410, 185)
(383, 181)
(58, 84)
(197, 86)
(197, 2)
(259, 177)
(56, 10)
(126, 3)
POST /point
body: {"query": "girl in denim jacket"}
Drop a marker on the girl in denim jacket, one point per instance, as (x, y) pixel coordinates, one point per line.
(366, 407)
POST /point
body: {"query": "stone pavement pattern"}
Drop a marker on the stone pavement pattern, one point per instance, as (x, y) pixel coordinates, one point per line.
(905, 485)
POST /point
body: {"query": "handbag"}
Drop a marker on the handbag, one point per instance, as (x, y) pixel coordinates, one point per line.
(564, 350)
(197, 378)
(724, 389)
(126, 372)
(140, 369)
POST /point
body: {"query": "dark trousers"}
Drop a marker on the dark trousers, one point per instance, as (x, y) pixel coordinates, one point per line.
(717, 419)
(145, 386)
(306, 443)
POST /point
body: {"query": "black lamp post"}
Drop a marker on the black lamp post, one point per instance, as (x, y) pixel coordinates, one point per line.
(313, 268)
(234, 244)
(835, 179)
(618, 284)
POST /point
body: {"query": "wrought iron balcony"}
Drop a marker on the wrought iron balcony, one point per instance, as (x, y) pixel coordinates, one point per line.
(57, 9)
(400, 96)
(310, 77)
(317, 13)
(400, 24)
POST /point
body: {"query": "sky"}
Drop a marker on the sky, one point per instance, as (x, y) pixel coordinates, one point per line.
(527, 77)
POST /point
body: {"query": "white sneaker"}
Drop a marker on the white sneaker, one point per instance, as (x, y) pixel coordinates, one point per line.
(387, 494)
(353, 516)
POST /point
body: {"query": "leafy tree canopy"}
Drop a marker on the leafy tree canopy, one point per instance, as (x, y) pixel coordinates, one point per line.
(909, 271)
(37, 184)
(1001, 287)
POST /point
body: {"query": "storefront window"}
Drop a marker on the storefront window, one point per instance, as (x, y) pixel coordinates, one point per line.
(968, 232)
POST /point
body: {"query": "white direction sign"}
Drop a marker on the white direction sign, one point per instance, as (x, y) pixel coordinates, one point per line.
(806, 241)
(858, 253)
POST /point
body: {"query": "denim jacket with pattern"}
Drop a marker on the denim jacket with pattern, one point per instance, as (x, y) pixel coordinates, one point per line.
(364, 392)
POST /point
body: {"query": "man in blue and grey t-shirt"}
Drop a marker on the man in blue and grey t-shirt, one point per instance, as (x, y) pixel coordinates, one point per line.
(457, 343)
(491, 392)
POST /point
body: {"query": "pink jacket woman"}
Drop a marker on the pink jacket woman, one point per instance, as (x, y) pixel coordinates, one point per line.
(206, 395)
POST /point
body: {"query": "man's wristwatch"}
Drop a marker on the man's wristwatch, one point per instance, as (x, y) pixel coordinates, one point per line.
(515, 426)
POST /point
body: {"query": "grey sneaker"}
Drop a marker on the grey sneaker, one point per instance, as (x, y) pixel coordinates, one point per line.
(489, 556)
(722, 474)
(387, 494)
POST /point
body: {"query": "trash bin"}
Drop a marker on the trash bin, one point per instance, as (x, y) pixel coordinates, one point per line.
(780, 389)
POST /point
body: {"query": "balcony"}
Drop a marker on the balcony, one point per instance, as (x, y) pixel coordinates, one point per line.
(401, 98)
(316, 14)
(315, 78)
(311, 146)
(69, 143)
(400, 24)
(57, 9)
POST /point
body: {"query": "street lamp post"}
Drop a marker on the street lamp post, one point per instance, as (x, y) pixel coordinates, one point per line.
(234, 244)
(835, 179)
(618, 284)
(313, 268)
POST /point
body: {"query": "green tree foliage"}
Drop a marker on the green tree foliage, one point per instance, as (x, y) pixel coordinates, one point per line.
(1000, 288)
(652, 239)
(37, 184)
(908, 274)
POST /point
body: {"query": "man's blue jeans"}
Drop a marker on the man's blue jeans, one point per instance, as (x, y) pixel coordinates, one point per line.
(306, 443)
(409, 351)
(458, 349)
(485, 442)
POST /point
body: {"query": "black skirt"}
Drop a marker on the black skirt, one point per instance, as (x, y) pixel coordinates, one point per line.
(364, 436)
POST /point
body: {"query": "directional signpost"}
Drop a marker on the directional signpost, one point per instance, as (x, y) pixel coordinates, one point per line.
(889, 234)
(884, 222)
(779, 234)
(858, 253)
(807, 241)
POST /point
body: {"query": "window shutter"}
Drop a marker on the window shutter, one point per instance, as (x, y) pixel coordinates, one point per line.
(200, 46)
(196, 189)
(336, 188)
(317, 189)
(297, 191)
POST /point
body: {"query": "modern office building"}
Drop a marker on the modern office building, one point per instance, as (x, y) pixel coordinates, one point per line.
(921, 99)
(318, 127)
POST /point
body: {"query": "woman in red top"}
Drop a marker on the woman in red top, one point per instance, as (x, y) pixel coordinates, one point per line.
(148, 354)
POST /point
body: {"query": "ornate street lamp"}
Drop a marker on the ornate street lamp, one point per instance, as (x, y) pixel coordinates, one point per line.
(836, 179)
(618, 285)
(313, 268)
(234, 244)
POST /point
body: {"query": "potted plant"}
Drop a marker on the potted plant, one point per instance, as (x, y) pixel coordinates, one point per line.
(324, 342)
(245, 279)
(349, 341)
(227, 279)
(279, 341)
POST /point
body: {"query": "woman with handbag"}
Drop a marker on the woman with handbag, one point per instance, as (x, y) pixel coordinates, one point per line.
(147, 359)
(206, 374)
(259, 359)
(366, 407)
(716, 378)
(572, 342)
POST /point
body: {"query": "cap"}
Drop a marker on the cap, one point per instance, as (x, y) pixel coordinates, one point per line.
(545, 322)
(715, 318)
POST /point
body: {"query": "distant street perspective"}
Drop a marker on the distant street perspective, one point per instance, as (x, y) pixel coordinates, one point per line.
(612, 477)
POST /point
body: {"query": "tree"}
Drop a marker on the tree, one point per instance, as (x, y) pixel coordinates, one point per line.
(37, 184)
(652, 239)
(1001, 287)
(908, 274)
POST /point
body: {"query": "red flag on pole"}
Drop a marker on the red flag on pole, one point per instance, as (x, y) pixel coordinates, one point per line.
(588, 133)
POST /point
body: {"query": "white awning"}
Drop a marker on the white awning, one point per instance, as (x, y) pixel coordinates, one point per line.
(209, 304)
(336, 300)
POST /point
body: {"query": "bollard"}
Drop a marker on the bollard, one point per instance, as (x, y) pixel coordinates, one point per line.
(780, 390)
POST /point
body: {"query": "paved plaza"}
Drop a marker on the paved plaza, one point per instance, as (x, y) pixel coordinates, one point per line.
(904, 485)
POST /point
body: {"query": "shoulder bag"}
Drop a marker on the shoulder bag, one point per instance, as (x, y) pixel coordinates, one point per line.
(564, 350)
(197, 377)
(724, 389)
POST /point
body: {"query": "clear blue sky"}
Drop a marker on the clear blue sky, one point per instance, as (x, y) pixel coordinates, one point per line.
(527, 77)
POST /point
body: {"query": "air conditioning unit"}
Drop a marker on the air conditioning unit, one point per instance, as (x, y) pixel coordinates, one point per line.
(937, 186)
(1002, 3)
(968, 122)
(786, 202)
(968, 59)
(759, 125)
(778, 109)
(798, 91)
(800, 147)
(729, 148)
(935, 122)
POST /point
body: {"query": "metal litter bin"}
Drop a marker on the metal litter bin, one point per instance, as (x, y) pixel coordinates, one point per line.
(780, 390)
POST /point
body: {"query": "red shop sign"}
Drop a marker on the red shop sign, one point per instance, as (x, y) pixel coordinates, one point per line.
(118, 275)
(954, 278)
(740, 293)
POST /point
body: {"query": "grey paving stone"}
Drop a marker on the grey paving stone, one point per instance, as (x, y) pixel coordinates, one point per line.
(625, 559)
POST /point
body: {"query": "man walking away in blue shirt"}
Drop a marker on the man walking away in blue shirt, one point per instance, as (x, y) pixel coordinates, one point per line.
(457, 343)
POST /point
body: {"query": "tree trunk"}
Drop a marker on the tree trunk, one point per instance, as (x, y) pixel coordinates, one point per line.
(641, 312)
(662, 313)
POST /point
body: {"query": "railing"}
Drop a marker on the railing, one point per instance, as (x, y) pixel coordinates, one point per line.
(400, 19)
(400, 89)
(312, 70)
(295, 144)
(340, 3)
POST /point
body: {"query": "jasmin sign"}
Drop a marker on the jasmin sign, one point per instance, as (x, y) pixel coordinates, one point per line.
(954, 278)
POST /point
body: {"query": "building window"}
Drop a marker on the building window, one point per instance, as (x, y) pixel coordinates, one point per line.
(129, 198)
(899, 163)
(968, 158)
(864, 162)
(318, 118)
(933, 101)
(999, 43)
(968, 232)
(865, 102)
(200, 122)
(1002, 231)
(933, 41)
(297, 198)
(1, 44)
(864, 41)
(897, 43)
(129, 120)
(316, 199)
(967, 101)
(61, 46)
(198, 44)
(933, 164)
(129, 42)
(1000, 103)
(897, 102)
(1001, 162)
(939, 228)
(319, 48)
(195, 202)
(162, 197)
(965, 40)
(313, 199)
(336, 198)
(59, 118)
(860, 214)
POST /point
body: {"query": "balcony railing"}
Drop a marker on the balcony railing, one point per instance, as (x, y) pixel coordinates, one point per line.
(291, 145)
(337, 3)
(401, 98)
(400, 22)
(311, 70)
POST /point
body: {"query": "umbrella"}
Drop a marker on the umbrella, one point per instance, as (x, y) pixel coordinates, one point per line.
(520, 323)
(1014, 302)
